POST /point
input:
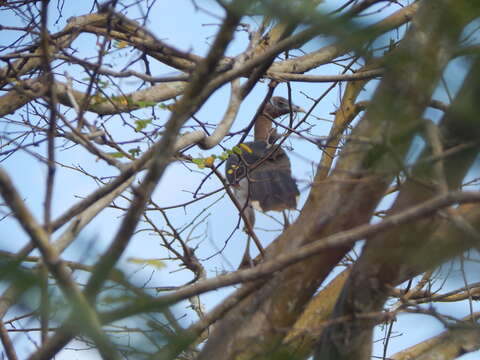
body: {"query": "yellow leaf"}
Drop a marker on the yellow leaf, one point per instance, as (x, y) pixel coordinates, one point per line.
(159, 264)
(170, 107)
(246, 148)
(121, 44)
(122, 101)
(98, 98)
(209, 161)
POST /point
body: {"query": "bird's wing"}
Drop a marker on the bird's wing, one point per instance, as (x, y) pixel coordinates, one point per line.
(269, 180)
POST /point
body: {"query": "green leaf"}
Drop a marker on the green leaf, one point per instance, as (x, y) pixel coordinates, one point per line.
(200, 162)
(117, 155)
(143, 104)
(142, 124)
(237, 150)
(103, 84)
(135, 151)
(115, 299)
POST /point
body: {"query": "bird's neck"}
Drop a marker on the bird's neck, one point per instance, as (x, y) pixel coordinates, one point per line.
(263, 127)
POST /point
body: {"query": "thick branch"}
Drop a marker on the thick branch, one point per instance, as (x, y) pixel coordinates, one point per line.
(388, 258)
(449, 345)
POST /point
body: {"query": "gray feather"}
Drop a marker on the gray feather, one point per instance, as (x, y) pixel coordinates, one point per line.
(266, 168)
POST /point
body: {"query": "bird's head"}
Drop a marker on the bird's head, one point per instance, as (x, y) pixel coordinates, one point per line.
(278, 106)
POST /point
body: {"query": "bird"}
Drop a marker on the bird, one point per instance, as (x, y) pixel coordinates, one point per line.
(260, 172)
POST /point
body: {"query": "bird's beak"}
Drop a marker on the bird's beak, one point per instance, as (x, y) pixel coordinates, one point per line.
(298, 109)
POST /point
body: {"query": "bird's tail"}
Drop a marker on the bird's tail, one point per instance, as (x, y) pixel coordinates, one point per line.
(273, 190)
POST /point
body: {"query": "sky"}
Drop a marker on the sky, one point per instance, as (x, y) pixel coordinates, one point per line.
(188, 29)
